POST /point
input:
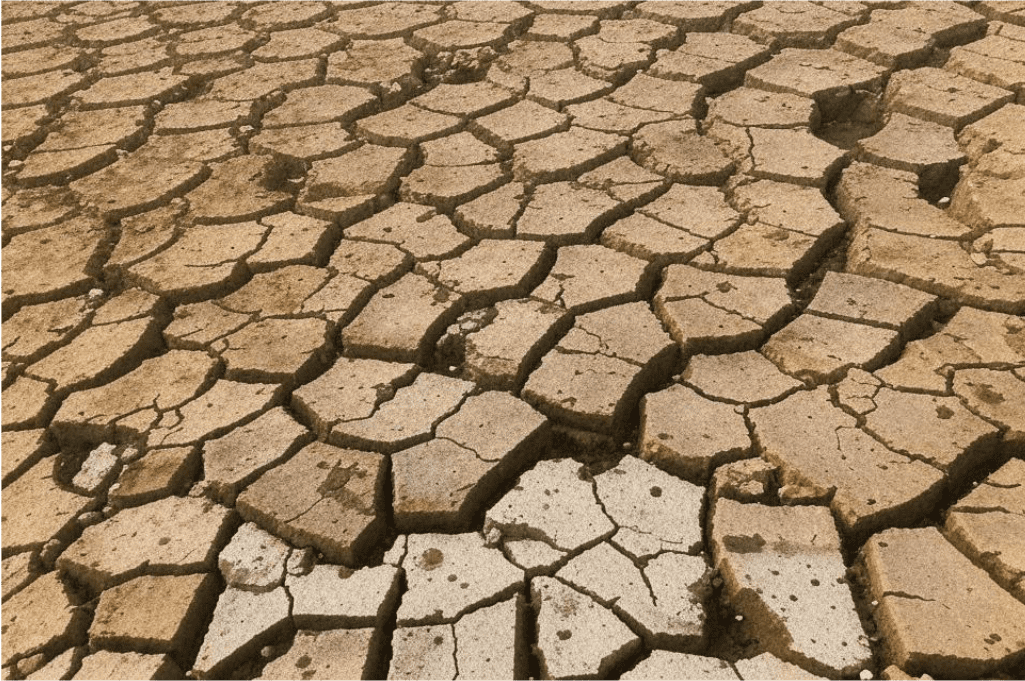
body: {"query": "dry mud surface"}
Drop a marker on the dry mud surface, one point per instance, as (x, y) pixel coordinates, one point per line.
(513, 339)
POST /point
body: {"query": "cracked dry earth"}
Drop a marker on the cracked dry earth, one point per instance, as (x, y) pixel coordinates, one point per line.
(492, 340)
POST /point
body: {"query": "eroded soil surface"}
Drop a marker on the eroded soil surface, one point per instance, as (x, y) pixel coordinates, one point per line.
(513, 339)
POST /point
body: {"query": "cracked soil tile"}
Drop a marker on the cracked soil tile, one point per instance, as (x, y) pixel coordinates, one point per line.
(783, 569)
(913, 603)
(171, 536)
(443, 483)
(332, 500)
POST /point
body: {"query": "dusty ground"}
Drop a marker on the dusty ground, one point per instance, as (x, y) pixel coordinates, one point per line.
(481, 340)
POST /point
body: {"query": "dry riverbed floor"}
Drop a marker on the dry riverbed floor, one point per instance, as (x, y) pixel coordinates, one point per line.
(513, 340)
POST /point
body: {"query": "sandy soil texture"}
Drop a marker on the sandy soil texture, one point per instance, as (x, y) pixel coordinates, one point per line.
(678, 340)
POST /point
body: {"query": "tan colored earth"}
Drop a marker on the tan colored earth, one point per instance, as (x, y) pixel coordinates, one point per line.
(679, 340)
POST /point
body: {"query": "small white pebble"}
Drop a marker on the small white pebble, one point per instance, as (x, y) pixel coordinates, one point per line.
(130, 454)
(945, 201)
(875, 604)
(865, 675)
(90, 518)
(199, 489)
(493, 536)
(739, 618)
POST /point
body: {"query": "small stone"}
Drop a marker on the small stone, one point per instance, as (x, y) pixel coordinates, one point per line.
(300, 561)
(253, 560)
(51, 549)
(90, 518)
(747, 481)
(97, 470)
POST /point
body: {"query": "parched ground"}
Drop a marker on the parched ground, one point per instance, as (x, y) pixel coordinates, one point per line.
(513, 339)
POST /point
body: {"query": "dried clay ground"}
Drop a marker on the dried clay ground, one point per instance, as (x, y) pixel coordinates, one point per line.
(513, 339)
